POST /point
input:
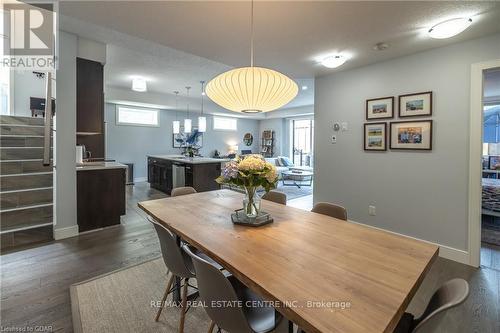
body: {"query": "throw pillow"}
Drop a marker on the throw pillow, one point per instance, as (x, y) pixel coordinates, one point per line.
(285, 161)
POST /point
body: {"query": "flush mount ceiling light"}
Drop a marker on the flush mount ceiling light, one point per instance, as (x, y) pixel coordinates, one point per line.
(333, 61)
(450, 28)
(139, 84)
(251, 89)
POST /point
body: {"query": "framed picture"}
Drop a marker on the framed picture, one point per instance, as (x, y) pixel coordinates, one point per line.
(414, 105)
(375, 136)
(379, 108)
(411, 135)
(181, 140)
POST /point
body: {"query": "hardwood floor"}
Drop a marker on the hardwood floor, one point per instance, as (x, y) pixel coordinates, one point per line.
(35, 281)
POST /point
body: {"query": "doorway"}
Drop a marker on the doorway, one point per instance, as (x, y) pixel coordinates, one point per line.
(490, 178)
(484, 164)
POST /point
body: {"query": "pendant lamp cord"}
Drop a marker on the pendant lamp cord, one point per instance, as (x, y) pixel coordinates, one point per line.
(251, 36)
(202, 92)
(187, 89)
(176, 104)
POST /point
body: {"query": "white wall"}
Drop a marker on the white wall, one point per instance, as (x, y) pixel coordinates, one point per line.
(65, 172)
(91, 50)
(131, 144)
(26, 85)
(420, 194)
(278, 125)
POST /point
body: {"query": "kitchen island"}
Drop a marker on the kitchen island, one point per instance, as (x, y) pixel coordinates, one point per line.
(166, 172)
(100, 194)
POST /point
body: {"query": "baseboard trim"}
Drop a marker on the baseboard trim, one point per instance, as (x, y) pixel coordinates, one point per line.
(66, 232)
(445, 251)
(140, 179)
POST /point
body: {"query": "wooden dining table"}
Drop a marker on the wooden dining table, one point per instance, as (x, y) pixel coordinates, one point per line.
(324, 274)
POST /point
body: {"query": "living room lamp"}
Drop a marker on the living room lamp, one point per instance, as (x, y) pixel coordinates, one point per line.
(251, 89)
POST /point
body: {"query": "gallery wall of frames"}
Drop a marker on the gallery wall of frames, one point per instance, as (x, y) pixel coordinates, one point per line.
(408, 133)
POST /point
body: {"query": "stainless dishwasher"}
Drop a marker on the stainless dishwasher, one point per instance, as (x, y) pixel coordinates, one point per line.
(178, 175)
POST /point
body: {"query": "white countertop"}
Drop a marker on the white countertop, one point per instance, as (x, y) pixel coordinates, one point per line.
(99, 166)
(190, 160)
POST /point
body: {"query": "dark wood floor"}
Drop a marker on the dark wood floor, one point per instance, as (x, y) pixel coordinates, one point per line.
(35, 281)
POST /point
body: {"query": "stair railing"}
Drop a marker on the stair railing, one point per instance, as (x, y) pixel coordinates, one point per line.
(48, 120)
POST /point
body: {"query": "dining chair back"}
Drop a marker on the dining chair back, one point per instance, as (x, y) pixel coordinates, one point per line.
(330, 209)
(275, 196)
(215, 289)
(449, 295)
(182, 191)
(176, 261)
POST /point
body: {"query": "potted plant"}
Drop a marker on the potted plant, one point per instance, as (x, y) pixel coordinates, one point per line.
(250, 173)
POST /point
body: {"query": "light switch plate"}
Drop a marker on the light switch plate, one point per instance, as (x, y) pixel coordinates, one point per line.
(345, 126)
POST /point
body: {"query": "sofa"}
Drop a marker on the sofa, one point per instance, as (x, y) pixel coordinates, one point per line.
(284, 164)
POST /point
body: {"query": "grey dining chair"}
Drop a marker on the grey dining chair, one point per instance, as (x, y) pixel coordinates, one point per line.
(179, 264)
(182, 191)
(216, 288)
(330, 209)
(449, 295)
(275, 196)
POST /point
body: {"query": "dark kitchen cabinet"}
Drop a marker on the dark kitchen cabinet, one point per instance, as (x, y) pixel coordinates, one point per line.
(160, 174)
(100, 197)
(90, 106)
(199, 176)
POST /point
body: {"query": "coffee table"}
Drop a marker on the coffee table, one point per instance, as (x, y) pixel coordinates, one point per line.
(297, 178)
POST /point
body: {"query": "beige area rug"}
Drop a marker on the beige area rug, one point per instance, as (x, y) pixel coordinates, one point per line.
(121, 302)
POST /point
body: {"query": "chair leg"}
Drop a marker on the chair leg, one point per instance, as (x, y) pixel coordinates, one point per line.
(211, 328)
(169, 285)
(183, 305)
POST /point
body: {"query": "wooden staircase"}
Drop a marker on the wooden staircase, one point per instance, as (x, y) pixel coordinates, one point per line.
(26, 185)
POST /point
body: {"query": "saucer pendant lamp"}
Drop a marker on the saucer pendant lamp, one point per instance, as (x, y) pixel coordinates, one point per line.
(202, 120)
(251, 89)
(176, 124)
(187, 121)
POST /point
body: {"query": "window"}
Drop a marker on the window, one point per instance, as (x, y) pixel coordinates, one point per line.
(225, 124)
(302, 138)
(137, 117)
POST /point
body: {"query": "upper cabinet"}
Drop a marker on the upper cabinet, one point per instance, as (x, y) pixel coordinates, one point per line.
(89, 97)
(90, 106)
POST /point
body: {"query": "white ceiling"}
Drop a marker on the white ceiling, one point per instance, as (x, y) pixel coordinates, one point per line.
(289, 35)
(173, 72)
(173, 44)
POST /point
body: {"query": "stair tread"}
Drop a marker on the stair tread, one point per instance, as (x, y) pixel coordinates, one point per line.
(24, 227)
(31, 206)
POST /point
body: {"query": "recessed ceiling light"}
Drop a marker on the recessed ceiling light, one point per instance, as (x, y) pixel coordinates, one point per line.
(304, 87)
(450, 28)
(333, 61)
(380, 46)
(139, 84)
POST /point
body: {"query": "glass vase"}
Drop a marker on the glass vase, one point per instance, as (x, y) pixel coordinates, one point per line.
(251, 203)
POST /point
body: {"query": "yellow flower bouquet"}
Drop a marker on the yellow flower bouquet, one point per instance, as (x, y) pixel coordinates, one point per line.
(249, 173)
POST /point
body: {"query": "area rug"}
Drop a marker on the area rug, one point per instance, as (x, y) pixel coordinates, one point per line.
(120, 301)
(490, 229)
